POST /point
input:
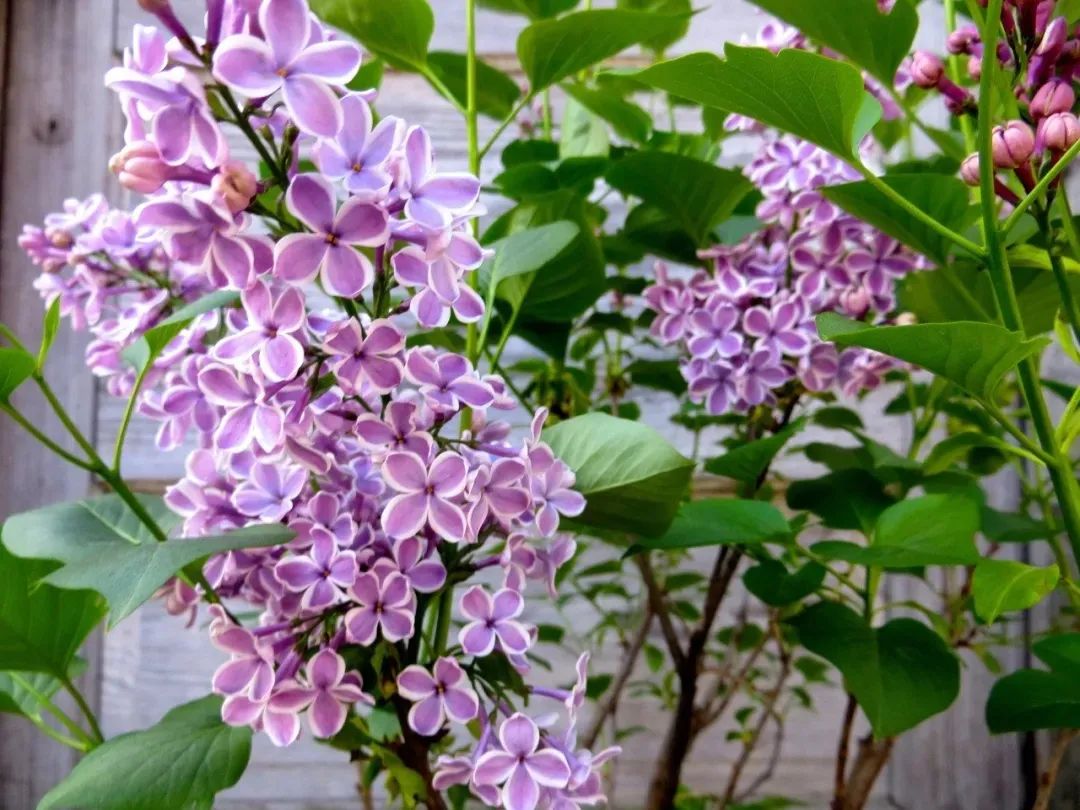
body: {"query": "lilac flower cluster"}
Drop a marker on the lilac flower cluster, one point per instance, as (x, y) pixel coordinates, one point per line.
(307, 405)
(746, 325)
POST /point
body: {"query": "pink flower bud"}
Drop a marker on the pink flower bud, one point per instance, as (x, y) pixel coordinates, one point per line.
(1058, 132)
(139, 167)
(236, 185)
(855, 302)
(1012, 145)
(969, 170)
(1055, 96)
(962, 40)
(926, 69)
(1054, 37)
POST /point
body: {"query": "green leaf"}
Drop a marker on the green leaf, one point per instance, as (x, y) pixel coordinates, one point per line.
(928, 530)
(975, 356)
(1010, 527)
(661, 375)
(844, 499)
(49, 327)
(517, 259)
(748, 462)
(774, 585)
(696, 194)
(103, 547)
(582, 133)
(661, 42)
(956, 447)
(187, 758)
(553, 50)
(721, 522)
(16, 367)
(1005, 586)
(534, 9)
(22, 692)
(856, 28)
(943, 197)
(816, 98)
(632, 479)
(627, 119)
(401, 38)
(1032, 699)
(41, 627)
(567, 285)
(901, 673)
(496, 92)
(146, 349)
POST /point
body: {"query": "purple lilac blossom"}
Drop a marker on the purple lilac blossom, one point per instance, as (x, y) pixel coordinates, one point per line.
(322, 419)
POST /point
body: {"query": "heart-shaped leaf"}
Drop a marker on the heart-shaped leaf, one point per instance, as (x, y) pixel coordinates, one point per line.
(695, 194)
(816, 98)
(1006, 586)
(102, 546)
(975, 356)
(184, 760)
(774, 585)
(856, 28)
(900, 673)
(632, 479)
(552, 50)
(1033, 699)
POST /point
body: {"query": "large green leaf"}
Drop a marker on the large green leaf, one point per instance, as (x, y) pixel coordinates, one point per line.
(696, 194)
(632, 479)
(400, 37)
(1006, 586)
(844, 499)
(626, 118)
(41, 627)
(748, 462)
(496, 92)
(24, 692)
(1032, 699)
(929, 530)
(819, 99)
(582, 133)
(552, 50)
(183, 761)
(522, 254)
(943, 197)
(973, 355)
(567, 285)
(774, 585)
(660, 42)
(102, 546)
(960, 445)
(721, 522)
(855, 28)
(16, 367)
(900, 673)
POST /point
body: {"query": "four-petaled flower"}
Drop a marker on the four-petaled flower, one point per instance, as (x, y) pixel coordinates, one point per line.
(432, 200)
(286, 60)
(493, 619)
(427, 494)
(359, 155)
(372, 358)
(331, 248)
(326, 693)
(521, 767)
(322, 576)
(386, 602)
(438, 695)
(273, 324)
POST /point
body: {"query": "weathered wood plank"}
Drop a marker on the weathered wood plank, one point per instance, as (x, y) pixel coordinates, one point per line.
(54, 143)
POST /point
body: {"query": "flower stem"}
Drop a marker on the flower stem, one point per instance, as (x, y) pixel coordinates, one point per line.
(1040, 188)
(442, 625)
(472, 132)
(84, 707)
(1061, 473)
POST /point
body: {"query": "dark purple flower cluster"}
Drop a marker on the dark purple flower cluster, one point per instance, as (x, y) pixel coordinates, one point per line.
(306, 404)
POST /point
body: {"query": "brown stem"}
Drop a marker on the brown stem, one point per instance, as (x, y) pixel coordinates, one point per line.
(614, 692)
(1048, 778)
(871, 759)
(659, 609)
(767, 710)
(680, 735)
(842, 748)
